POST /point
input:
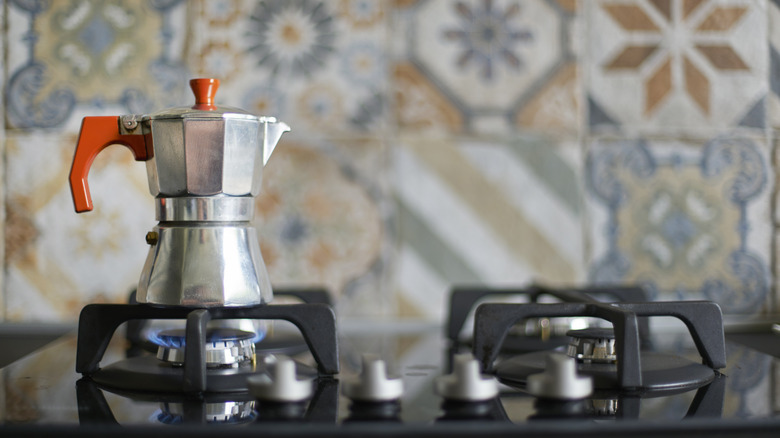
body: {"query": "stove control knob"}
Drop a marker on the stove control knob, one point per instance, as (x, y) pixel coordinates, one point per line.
(466, 383)
(560, 381)
(373, 385)
(281, 384)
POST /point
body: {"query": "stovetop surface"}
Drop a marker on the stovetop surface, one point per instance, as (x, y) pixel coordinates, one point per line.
(42, 393)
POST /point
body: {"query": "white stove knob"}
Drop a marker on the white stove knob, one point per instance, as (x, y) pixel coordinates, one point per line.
(281, 385)
(373, 385)
(560, 381)
(466, 383)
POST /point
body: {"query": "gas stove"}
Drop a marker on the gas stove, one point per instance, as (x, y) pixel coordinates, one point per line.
(568, 362)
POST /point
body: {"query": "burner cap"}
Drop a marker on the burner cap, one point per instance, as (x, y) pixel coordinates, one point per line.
(225, 347)
(592, 332)
(592, 345)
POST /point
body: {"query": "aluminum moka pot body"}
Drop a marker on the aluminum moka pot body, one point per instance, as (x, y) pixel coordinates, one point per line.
(204, 166)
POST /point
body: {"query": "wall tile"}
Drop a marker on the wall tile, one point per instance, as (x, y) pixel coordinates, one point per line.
(2, 180)
(486, 67)
(776, 270)
(485, 212)
(58, 261)
(68, 58)
(773, 100)
(688, 219)
(434, 143)
(776, 165)
(317, 65)
(325, 218)
(676, 67)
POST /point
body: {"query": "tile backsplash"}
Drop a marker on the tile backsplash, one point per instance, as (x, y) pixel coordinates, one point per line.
(434, 143)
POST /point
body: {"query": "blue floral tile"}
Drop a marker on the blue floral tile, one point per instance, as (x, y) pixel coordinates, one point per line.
(486, 66)
(92, 55)
(318, 65)
(689, 220)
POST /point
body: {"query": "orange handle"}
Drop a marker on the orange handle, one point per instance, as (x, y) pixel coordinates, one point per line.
(96, 134)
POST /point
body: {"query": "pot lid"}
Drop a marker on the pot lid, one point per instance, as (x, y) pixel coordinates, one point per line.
(204, 90)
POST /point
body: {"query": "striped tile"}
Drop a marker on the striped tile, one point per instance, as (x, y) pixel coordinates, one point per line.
(482, 212)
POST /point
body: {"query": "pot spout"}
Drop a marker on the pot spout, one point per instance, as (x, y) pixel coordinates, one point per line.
(273, 131)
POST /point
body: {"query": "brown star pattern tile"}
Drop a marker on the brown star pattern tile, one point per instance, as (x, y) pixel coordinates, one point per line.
(664, 7)
(631, 17)
(721, 19)
(721, 56)
(698, 85)
(658, 86)
(688, 57)
(631, 57)
(689, 6)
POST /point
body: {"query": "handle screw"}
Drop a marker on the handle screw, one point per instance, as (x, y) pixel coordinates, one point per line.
(129, 122)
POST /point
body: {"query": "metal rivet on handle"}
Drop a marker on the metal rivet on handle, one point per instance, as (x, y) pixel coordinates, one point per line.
(152, 237)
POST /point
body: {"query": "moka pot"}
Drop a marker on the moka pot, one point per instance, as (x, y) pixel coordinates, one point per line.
(204, 166)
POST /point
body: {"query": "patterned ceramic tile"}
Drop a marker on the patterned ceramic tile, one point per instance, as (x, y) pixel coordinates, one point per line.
(2, 179)
(776, 269)
(58, 261)
(317, 65)
(293, 60)
(677, 66)
(486, 67)
(776, 166)
(92, 54)
(325, 218)
(473, 212)
(773, 100)
(688, 219)
(67, 60)
(467, 211)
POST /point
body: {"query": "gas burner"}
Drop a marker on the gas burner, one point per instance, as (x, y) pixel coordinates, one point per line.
(543, 333)
(97, 323)
(225, 347)
(592, 345)
(632, 370)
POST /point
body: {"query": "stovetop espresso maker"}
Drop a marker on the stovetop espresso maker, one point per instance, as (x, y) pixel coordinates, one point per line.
(204, 166)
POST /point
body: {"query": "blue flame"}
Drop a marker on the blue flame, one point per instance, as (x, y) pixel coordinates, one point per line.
(175, 338)
(259, 335)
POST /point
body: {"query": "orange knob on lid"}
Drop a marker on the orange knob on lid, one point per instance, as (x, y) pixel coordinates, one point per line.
(204, 90)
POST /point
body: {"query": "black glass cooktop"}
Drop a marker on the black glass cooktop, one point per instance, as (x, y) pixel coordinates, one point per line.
(42, 394)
